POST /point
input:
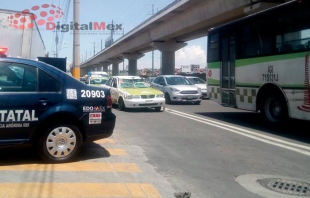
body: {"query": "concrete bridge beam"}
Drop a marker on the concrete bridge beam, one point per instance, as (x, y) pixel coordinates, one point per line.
(168, 49)
(132, 62)
(115, 63)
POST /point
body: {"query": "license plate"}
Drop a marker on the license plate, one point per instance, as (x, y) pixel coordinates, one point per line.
(148, 101)
(189, 97)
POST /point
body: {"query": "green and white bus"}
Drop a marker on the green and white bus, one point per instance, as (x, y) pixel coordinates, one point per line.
(261, 62)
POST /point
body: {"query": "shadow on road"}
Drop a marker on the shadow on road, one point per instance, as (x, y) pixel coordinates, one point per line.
(17, 156)
(138, 110)
(293, 129)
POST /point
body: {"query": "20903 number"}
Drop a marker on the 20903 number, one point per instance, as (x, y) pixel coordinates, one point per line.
(92, 94)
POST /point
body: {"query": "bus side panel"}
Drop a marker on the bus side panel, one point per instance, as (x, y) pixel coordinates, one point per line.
(213, 79)
(286, 71)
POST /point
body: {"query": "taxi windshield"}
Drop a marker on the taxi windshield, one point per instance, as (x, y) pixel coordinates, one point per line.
(98, 80)
(133, 83)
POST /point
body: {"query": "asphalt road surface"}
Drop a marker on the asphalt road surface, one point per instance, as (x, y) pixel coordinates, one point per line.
(207, 150)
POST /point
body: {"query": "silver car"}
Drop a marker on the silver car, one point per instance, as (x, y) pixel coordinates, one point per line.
(177, 89)
(199, 83)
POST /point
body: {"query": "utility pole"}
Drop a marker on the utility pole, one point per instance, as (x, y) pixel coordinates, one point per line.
(76, 40)
(94, 47)
(153, 49)
(56, 40)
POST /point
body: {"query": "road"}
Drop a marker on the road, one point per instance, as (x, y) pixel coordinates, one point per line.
(208, 150)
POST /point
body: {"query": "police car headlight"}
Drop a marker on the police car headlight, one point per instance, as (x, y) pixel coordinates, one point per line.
(159, 95)
(174, 89)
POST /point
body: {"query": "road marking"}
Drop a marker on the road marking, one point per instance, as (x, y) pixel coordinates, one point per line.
(105, 141)
(105, 151)
(75, 166)
(72, 190)
(117, 152)
(244, 132)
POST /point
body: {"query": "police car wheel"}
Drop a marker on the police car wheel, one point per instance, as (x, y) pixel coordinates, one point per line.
(60, 143)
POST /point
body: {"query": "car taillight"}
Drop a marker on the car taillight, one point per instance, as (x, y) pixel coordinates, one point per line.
(3, 50)
(109, 102)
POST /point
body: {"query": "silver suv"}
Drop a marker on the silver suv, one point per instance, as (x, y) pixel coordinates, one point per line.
(177, 89)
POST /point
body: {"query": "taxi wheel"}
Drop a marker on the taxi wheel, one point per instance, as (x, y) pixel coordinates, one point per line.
(60, 143)
(121, 104)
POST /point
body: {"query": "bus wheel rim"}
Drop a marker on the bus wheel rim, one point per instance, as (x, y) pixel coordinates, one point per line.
(273, 109)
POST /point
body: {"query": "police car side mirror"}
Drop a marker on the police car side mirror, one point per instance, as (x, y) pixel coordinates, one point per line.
(86, 82)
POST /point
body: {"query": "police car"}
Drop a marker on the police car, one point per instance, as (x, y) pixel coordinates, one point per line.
(44, 107)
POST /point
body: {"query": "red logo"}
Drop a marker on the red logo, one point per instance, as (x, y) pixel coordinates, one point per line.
(306, 105)
(210, 73)
(43, 15)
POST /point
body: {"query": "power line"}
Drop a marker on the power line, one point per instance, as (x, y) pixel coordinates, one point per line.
(65, 18)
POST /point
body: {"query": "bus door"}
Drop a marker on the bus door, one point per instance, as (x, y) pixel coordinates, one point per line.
(228, 87)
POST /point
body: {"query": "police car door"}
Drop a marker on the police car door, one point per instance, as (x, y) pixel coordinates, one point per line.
(23, 99)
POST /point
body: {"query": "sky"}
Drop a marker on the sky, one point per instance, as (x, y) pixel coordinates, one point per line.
(128, 13)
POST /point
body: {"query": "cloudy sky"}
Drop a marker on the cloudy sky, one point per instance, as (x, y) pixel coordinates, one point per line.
(129, 13)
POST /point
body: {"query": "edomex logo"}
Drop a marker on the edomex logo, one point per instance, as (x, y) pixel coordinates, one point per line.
(44, 15)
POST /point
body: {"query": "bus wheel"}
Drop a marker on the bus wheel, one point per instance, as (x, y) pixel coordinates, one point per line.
(274, 108)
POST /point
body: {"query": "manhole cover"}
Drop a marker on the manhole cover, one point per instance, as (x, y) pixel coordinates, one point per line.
(288, 187)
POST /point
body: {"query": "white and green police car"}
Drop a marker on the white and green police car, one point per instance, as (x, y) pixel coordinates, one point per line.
(134, 92)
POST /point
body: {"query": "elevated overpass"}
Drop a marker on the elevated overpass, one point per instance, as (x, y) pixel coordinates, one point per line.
(170, 29)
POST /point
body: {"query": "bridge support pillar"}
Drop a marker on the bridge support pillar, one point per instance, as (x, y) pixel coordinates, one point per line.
(104, 66)
(168, 49)
(83, 71)
(115, 69)
(132, 62)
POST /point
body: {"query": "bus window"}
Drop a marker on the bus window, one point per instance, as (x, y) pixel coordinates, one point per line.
(214, 48)
(294, 31)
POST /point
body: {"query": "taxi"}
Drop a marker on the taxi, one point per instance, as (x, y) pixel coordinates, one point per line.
(97, 80)
(43, 107)
(134, 92)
